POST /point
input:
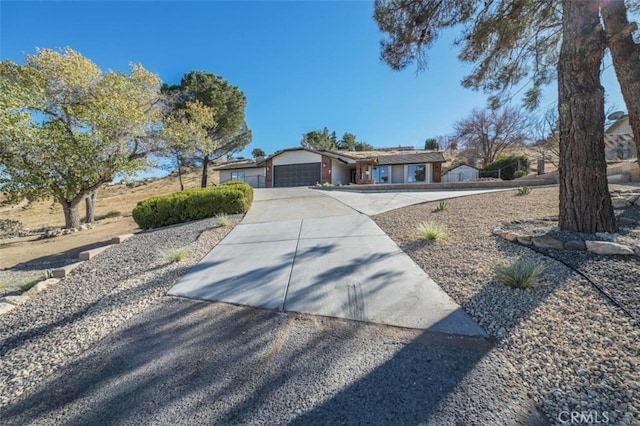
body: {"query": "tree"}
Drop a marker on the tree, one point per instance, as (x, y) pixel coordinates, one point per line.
(258, 153)
(66, 128)
(349, 142)
(185, 130)
(509, 40)
(230, 133)
(319, 139)
(547, 137)
(489, 132)
(431, 144)
(626, 60)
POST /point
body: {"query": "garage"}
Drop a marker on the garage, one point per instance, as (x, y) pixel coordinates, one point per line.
(303, 174)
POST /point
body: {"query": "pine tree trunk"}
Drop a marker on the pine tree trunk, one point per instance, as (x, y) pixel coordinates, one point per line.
(626, 61)
(205, 166)
(585, 203)
(90, 207)
(71, 213)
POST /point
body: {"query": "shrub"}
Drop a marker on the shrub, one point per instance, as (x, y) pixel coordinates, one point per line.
(521, 274)
(191, 205)
(27, 285)
(524, 190)
(246, 189)
(508, 165)
(519, 173)
(174, 255)
(442, 206)
(431, 231)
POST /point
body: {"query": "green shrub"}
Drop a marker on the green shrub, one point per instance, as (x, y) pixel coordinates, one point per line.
(174, 255)
(519, 173)
(522, 274)
(27, 285)
(442, 206)
(431, 231)
(246, 189)
(194, 204)
(524, 190)
(508, 165)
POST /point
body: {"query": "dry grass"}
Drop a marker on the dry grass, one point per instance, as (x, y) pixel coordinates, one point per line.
(113, 199)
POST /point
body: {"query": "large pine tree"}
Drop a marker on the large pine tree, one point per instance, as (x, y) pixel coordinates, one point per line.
(509, 41)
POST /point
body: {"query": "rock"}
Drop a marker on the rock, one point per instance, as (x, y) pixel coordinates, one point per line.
(6, 307)
(575, 245)
(547, 242)
(41, 286)
(633, 198)
(497, 231)
(626, 221)
(637, 251)
(637, 203)
(606, 236)
(524, 239)
(620, 203)
(606, 247)
(511, 236)
(14, 300)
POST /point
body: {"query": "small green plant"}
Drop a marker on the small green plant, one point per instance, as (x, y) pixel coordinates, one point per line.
(524, 190)
(519, 173)
(521, 274)
(47, 274)
(327, 184)
(442, 206)
(431, 231)
(222, 220)
(174, 255)
(3, 285)
(27, 285)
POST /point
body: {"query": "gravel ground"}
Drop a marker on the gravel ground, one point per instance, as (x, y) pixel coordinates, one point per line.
(575, 349)
(49, 331)
(185, 362)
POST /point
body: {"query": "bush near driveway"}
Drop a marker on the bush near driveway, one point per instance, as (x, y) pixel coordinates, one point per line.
(192, 205)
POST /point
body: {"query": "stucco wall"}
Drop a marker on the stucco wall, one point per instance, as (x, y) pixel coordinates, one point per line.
(253, 176)
(296, 157)
(340, 173)
(461, 174)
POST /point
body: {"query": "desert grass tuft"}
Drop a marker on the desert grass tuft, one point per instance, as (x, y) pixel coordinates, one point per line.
(431, 231)
(174, 255)
(222, 220)
(521, 274)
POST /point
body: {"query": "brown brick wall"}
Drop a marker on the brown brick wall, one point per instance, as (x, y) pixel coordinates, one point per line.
(269, 173)
(325, 170)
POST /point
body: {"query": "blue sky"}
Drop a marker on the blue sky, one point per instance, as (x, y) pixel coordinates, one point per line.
(302, 65)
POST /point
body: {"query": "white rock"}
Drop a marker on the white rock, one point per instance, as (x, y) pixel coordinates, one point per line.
(606, 247)
(547, 242)
(6, 307)
(41, 286)
(620, 203)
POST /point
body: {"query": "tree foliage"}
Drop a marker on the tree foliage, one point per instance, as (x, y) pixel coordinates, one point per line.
(431, 143)
(320, 139)
(324, 139)
(258, 152)
(490, 132)
(66, 127)
(230, 132)
(509, 41)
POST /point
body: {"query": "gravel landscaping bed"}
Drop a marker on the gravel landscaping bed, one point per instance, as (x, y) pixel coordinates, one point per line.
(575, 349)
(48, 331)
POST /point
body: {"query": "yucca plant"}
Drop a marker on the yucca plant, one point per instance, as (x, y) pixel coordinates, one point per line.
(431, 231)
(521, 274)
(524, 190)
(442, 206)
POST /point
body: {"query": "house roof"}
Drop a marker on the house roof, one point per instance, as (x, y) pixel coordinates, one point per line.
(244, 164)
(463, 165)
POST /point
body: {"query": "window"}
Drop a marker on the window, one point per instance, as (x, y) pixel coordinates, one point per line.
(237, 176)
(417, 173)
(381, 174)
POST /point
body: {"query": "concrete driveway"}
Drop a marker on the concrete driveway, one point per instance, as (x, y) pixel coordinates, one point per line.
(301, 250)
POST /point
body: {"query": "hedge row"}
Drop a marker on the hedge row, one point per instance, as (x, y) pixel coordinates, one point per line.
(194, 204)
(508, 165)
